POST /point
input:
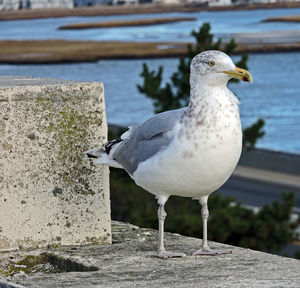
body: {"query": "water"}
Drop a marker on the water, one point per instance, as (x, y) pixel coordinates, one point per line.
(223, 23)
(274, 95)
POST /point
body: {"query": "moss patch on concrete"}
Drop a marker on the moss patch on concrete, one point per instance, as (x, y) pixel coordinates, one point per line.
(69, 130)
(45, 263)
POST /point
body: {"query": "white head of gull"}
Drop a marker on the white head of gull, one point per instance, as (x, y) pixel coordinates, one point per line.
(189, 152)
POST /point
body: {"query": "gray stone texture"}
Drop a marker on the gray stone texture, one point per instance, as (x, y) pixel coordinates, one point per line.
(131, 262)
(4, 284)
(50, 193)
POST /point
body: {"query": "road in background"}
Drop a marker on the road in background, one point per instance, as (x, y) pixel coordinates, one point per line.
(258, 193)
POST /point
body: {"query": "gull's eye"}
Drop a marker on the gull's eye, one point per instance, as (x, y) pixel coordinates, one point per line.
(211, 63)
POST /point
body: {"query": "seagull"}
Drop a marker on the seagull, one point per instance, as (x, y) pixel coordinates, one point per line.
(188, 152)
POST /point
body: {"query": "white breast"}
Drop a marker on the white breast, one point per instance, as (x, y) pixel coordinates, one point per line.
(202, 156)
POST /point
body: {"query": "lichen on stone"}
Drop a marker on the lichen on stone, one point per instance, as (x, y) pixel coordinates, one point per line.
(57, 191)
(69, 128)
(31, 136)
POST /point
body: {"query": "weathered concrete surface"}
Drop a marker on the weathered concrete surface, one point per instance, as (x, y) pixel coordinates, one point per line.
(131, 262)
(50, 194)
(4, 284)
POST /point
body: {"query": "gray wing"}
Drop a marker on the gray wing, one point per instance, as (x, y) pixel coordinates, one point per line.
(146, 140)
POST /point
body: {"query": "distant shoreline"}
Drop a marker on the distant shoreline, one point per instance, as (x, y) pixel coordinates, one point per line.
(102, 10)
(62, 51)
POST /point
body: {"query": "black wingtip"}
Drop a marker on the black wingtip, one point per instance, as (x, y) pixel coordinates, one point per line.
(90, 155)
(110, 144)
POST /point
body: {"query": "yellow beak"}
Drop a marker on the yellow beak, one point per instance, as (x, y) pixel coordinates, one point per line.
(240, 73)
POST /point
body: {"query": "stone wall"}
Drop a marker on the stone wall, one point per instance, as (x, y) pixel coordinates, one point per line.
(50, 193)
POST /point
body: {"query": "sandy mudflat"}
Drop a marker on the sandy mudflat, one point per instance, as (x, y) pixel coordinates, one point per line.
(279, 36)
(294, 18)
(123, 10)
(61, 51)
(268, 47)
(128, 23)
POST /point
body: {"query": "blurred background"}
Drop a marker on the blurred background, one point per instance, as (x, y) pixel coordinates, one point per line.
(132, 45)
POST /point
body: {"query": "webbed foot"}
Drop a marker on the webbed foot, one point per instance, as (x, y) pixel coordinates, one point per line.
(168, 254)
(210, 252)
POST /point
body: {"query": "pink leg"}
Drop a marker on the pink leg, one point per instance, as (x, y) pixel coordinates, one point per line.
(205, 250)
(162, 253)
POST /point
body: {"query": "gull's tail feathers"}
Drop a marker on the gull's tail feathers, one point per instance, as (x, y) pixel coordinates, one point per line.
(102, 156)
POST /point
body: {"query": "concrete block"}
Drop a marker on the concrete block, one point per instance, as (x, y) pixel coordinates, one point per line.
(50, 194)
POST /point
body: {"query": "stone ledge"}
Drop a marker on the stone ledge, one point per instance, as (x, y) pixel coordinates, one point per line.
(131, 262)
